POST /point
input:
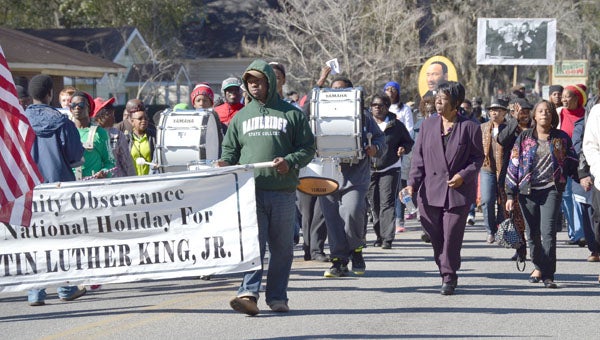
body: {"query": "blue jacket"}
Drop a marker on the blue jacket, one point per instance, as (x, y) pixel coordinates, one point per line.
(57, 146)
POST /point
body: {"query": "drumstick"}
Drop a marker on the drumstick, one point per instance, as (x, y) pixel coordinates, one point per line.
(142, 161)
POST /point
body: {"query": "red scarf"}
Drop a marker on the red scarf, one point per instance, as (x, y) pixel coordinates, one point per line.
(568, 119)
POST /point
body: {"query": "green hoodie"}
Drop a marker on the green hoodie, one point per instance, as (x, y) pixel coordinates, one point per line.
(261, 132)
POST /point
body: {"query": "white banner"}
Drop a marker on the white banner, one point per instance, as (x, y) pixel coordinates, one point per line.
(134, 228)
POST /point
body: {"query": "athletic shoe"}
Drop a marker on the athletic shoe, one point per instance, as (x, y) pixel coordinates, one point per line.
(337, 269)
(358, 262)
(75, 293)
(471, 220)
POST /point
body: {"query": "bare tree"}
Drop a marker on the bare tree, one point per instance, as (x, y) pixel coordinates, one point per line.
(374, 40)
(380, 40)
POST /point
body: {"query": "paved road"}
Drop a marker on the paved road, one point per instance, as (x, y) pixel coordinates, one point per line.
(397, 298)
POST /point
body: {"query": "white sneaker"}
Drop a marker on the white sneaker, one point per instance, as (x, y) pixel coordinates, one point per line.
(471, 220)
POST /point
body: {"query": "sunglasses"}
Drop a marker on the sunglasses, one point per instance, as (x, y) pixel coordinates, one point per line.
(377, 105)
(80, 105)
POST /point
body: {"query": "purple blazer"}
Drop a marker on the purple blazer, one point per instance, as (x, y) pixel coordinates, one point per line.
(431, 167)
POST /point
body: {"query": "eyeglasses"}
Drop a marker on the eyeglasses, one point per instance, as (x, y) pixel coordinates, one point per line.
(80, 105)
(380, 105)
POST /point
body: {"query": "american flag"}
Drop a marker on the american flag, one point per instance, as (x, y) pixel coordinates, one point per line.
(18, 172)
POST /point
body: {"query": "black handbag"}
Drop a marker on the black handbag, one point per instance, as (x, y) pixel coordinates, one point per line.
(507, 234)
(508, 237)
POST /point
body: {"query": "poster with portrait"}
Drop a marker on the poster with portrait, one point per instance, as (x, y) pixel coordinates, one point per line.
(510, 41)
(433, 71)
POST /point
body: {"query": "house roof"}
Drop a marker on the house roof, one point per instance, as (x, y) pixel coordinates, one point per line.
(25, 52)
(102, 42)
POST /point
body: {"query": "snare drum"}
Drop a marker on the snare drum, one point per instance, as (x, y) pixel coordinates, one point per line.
(320, 177)
(336, 122)
(187, 136)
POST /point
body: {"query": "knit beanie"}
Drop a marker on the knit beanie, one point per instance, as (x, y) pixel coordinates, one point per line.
(204, 89)
(40, 86)
(555, 88)
(580, 91)
(393, 84)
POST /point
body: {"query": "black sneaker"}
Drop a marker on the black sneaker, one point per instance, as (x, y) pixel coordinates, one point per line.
(425, 237)
(358, 262)
(337, 269)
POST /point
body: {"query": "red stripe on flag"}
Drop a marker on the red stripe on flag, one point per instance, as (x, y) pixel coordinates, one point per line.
(19, 172)
(16, 147)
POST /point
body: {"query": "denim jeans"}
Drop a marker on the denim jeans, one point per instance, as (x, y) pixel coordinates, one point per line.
(399, 206)
(575, 230)
(540, 210)
(36, 295)
(493, 213)
(276, 217)
(586, 212)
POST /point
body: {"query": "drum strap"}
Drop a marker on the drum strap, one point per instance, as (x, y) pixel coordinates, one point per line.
(88, 145)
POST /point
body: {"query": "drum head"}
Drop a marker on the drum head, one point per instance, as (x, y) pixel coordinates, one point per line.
(318, 186)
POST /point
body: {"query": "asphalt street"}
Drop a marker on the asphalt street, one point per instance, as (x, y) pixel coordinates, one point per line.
(398, 297)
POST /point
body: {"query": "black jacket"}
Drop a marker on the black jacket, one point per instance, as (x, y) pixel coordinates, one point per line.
(396, 135)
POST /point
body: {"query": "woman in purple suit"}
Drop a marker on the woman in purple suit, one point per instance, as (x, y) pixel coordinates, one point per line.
(444, 168)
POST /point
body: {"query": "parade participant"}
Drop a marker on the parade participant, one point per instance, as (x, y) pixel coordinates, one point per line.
(591, 150)
(346, 223)
(405, 115)
(269, 129)
(574, 98)
(202, 97)
(518, 121)
(385, 170)
(233, 95)
(142, 143)
(99, 161)
(555, 92)
(448, 156)
(64, 97)
(104, 116)
(57, 148)
(540, 162)
(314, 230)
(491, 190)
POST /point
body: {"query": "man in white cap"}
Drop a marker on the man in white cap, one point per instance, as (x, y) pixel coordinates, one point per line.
(230, 89)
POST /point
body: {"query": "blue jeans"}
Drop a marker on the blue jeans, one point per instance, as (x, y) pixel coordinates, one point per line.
(36, 295)
(493, 213)
(586, 212)
(276, 217)
(573, 217)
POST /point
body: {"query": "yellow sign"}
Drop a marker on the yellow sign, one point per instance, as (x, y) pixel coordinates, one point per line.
(435, 70)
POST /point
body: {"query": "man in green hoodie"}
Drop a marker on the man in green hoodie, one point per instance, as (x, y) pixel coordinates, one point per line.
(269, 129)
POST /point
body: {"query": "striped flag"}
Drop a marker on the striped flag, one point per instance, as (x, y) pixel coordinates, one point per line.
(18, 172)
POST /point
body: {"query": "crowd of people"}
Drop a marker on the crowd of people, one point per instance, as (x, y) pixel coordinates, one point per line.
(532, 162)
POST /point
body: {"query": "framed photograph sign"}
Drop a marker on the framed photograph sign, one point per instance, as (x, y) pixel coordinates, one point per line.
(510, 41)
